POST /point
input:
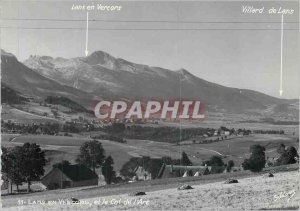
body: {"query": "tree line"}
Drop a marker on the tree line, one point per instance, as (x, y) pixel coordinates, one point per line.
(255, 163)
(257, 160)
(281, 132)
(23, 164)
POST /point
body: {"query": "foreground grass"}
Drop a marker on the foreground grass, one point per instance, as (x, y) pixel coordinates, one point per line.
(162, 187)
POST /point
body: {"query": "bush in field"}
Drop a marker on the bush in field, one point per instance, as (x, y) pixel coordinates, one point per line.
(229, 166)
(257, 159)
(287, 156)
(217, 164)
(215, 161)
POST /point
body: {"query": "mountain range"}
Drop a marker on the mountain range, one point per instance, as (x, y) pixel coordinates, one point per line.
(100, 75)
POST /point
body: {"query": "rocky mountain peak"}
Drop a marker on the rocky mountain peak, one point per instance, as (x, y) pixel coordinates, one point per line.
(100, 57)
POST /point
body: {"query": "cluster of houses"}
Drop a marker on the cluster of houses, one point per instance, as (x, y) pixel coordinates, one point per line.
(227, 132)
(67, 176)
(77, 175)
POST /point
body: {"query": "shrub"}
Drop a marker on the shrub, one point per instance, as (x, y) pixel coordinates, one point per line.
(287, 156)
(230, 164)
(257, 160)
(217, 164)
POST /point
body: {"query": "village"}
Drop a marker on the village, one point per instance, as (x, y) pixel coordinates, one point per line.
(90, 169)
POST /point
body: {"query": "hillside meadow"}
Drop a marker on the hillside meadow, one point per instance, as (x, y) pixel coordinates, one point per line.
(252, 192)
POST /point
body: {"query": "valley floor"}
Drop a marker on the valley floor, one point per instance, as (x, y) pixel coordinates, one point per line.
(251, 193)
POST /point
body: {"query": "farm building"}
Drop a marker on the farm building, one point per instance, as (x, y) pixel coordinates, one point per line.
(67, 176)
(169, 171)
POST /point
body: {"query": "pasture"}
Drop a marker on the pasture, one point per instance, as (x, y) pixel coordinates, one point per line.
(236, 148)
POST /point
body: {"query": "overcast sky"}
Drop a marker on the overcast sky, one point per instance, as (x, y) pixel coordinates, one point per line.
(243, 58)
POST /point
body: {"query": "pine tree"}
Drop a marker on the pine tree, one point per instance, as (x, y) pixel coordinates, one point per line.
(185, 160)
(108, 170)
(230, 164)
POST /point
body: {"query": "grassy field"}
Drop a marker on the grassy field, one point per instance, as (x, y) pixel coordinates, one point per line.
(254, 191)
(237, 148)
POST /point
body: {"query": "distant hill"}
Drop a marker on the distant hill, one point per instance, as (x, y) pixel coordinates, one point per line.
(10, 96)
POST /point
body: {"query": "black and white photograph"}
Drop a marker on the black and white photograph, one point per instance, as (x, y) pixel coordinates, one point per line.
(149, 105)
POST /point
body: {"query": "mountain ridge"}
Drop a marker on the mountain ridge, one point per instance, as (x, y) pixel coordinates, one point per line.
(103, 75)
(26, 81)
(98, 54)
